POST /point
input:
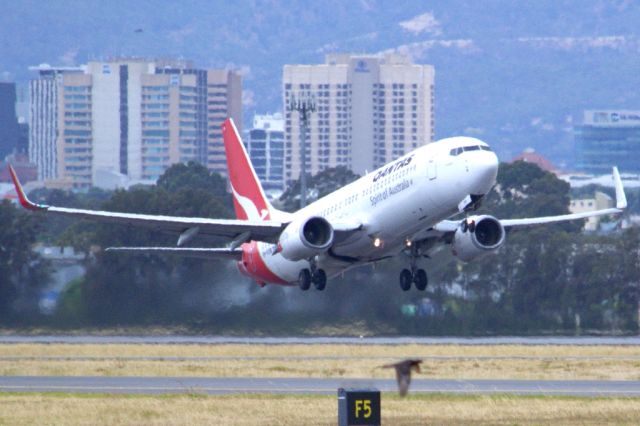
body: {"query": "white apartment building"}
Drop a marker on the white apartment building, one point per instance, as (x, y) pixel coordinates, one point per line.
(43, 117)
(369, 110)
(129, 119)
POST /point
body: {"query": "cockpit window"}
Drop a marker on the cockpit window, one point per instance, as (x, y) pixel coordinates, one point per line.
(457, 151)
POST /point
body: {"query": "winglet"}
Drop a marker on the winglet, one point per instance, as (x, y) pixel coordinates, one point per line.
(24, 201)
(621, 198)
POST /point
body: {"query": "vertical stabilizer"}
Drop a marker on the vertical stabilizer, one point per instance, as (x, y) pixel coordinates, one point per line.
(249, 199)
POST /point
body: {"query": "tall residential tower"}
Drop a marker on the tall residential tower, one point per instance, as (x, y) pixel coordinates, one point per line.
(369, 110)
(129, 119)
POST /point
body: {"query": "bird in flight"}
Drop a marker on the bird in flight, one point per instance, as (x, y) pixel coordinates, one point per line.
(403, 373)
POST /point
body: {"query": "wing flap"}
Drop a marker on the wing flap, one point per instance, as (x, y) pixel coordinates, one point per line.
(231, 228)
(202, 253)
(553, 219)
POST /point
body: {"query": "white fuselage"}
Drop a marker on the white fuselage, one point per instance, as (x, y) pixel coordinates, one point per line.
(395, 203)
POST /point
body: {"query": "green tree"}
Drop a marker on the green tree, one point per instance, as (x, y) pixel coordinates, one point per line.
(193, 176)
(22, 271)
(124, 288)
(318, 186)
(525, 190)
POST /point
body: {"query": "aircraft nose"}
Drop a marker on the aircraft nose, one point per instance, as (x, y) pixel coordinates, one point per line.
(484, 171)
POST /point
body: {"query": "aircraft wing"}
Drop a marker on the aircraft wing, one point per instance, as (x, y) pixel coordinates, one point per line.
(621, 204)
(201, 253)
(447, 226)
(187, 227)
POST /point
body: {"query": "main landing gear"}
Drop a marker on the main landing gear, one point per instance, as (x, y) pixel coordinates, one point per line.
(415, 275)
(418, 278)
(314, 276)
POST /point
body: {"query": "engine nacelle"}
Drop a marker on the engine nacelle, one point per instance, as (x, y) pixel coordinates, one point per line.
(477, 236)
(302, 239)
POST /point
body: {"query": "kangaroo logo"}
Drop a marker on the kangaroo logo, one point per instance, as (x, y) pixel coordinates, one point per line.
(249, 206)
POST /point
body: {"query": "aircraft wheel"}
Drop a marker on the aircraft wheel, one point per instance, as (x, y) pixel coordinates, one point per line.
(420, 279)
(304, 279)
(405, 280)
(320, 279)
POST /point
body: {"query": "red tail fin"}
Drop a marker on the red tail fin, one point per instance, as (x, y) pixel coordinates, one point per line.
(248, 197)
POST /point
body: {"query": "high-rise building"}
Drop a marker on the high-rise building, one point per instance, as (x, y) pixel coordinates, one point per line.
(265, 145)
(23, 136)
(44, 116)
(10, 133)
(224, 99)
(608, 138)
(129, 118)
(369, 109)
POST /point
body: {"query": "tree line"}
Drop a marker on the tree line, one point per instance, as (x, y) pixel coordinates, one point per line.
(549, 279)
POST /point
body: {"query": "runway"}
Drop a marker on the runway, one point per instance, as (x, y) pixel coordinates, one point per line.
(402, 340)
(229, 385)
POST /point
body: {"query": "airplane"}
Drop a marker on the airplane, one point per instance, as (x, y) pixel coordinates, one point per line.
(405, 206)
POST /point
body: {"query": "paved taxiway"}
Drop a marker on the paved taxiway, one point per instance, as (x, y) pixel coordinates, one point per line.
(208, 340)
(229, 385)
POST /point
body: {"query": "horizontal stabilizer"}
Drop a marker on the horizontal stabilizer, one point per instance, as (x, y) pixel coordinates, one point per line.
(202, 253)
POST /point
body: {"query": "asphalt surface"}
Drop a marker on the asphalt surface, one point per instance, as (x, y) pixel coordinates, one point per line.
(225, 385)
(205, 340)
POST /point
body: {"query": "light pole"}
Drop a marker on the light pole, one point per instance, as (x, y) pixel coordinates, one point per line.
(305, 104)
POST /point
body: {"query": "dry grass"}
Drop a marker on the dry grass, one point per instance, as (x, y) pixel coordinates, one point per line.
(349, 368)
(58, 409)
(56, 349)
(521, 362)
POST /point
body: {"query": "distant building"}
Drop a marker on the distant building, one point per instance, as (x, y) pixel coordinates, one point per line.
(265, 145)
(599, 201)
(23, 136)
(530, 156)
(44, 118)
(130, 118)
(10, 132)
(24, 168)
(608, 138)
(578, 180)
(370, 109)
(224, 99)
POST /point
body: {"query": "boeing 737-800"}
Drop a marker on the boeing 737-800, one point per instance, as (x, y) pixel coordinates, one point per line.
(404, 206)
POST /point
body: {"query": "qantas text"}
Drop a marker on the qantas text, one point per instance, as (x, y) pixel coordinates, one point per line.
(392, 168)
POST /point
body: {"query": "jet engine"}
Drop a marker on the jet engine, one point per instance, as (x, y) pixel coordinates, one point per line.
(302, 239)
(477, 236)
